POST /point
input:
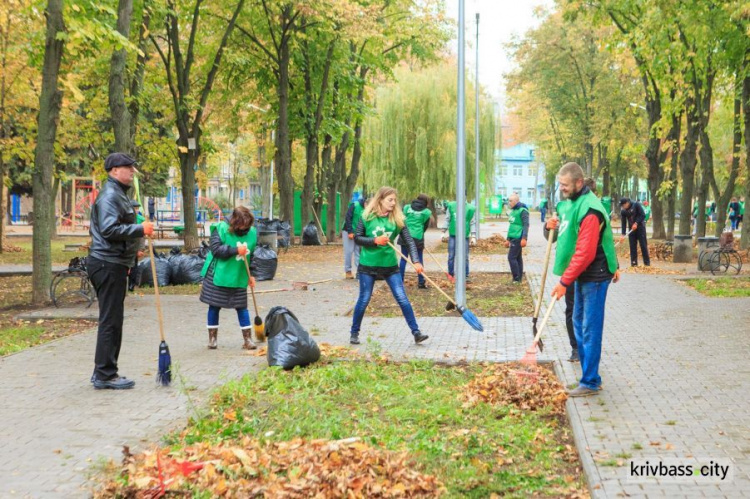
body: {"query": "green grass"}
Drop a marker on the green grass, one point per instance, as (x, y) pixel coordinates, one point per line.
(15, 339)
(722, 287)
(416, 407)
(59, 256)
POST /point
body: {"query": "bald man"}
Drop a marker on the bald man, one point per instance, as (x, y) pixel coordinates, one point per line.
(518, 233)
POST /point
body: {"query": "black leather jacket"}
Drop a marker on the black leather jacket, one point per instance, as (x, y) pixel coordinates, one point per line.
(114, 233)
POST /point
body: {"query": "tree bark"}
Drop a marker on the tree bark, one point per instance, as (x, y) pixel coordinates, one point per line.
(688, 161)
(745, 237)
(674, 159)
(118, 83)
(283, 158)
(44, 157)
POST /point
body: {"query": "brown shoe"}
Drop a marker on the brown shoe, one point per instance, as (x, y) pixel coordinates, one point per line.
(247, 335)
(213, 334)
(349, 275)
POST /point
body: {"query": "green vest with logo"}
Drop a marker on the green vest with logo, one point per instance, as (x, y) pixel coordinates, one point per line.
(231, 272)
(379, 256)
(515, 231)
(415, 221)
(543, 205)
(356, 215)
(647, 212)
(470, 209)
(571, 215)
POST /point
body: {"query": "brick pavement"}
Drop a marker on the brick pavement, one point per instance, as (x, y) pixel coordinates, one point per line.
(673, 370)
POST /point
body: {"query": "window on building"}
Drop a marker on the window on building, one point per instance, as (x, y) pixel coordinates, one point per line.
(502, 191)
(530, 194)
(517, 170)
(518, 191)
(532, 170)
(503, 170)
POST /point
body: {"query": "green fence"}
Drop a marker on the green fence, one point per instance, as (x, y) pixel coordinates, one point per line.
(299, 223)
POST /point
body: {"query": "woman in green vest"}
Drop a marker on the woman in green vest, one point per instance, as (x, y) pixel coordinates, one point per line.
(225, 278)
(382, 222)
(417, 219)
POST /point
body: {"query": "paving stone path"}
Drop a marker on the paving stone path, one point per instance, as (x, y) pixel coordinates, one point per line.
(676, 380)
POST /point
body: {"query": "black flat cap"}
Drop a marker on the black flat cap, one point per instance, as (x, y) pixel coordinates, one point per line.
(118, 159)
(623, 201)
(134, 203)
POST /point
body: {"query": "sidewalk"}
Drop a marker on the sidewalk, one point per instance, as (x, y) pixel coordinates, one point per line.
(674, 371)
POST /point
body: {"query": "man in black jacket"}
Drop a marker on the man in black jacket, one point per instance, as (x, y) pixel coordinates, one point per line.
(114, 243)
(634, 219)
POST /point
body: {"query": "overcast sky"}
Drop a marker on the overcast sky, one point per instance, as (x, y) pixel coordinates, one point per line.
(499, 21)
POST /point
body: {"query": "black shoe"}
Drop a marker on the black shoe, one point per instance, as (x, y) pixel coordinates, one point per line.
(354, 340)
(419, 337)
(422, 285)
(574, 356)
(116, 383)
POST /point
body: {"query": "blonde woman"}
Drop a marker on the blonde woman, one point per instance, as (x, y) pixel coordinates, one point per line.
(382, 222)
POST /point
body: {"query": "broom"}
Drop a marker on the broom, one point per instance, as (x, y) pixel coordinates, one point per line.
(467, 314)
(258, 328)
(164, 376)
(538, 307)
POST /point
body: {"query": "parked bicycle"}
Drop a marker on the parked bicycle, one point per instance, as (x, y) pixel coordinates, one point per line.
(71, 287)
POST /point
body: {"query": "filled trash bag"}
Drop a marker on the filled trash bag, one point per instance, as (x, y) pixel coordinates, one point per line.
(163, 271)
(289, 344)
(310, 235)
(186, 269)
(284, 234)
(265, 262)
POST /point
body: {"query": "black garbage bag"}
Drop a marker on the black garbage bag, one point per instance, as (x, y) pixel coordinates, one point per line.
(284, 234)
(163, 271)
(185, 269)
(310, 235)
(289, 344)
(265, 262)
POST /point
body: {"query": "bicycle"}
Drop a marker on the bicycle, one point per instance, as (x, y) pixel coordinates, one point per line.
(71, 287)
(723, 260)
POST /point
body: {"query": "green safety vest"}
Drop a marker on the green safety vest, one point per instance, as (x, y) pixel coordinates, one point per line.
(139, 219)
(379, 256)
(607, 203)
(356, 215)
(647, 211)
(470, 209)
(571, 215)
(515, 231)
(742, 207)
(230, 272)
(543, 205)
(415, 221)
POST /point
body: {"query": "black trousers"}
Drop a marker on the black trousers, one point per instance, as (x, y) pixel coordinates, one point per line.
(638, 236)
(570, 297)
(515, 259)
(110, 281)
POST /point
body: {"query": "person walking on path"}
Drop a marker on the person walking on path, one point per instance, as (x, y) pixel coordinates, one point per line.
(450, 220)
(351, 250)
(151, 208)
(115, 239)
(585, 258)
(646, 212)
(543, 208)
(417, 219)
(734, 213)
(518, 234)
(225, 278)
(383, 221)
(742, 212)
(634, 218)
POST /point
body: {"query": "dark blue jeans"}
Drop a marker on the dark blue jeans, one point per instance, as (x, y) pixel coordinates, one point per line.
(515, 259)
(402, 264)
(452, 254)
(588, 323)
(543, 213)
(396, 283)
(242, 315)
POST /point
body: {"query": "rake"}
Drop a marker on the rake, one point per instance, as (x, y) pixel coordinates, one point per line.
(450, 277)
(467, 314)
(550, 238)
(529, 359)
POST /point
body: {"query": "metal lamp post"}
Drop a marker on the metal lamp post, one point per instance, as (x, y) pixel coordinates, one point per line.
(476, 140)
(460, 239)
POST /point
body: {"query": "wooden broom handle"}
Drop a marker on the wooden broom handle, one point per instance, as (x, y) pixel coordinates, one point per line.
(436, 260)
(423, 274)
(550, 237)
(156, 289)
(544, 320)
(252, 290)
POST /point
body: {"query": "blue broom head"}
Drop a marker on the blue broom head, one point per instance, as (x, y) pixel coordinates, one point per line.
(469, 317)
(164, 376)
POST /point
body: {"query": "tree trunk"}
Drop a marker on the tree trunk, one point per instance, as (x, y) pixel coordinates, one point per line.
(136, 82)
(688, 160)
(187, 184)
(265, 176)
(118, 83)
(44, 156)
(283, 154)
(745, 237)
(308, 189)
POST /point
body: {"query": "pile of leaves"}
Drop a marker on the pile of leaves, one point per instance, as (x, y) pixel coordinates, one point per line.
(492, 243)
(9, 248)
(293, 469)
(642, 269)
(327, 352)
(530, 388)
(744, 254)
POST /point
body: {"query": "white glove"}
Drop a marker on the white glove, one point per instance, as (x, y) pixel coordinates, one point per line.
(473, 241)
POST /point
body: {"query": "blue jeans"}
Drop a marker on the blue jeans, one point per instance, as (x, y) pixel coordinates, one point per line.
(402, 264)
(452, 254)
(366, 283)
(242, 315)
(543, 213)
(588, 324)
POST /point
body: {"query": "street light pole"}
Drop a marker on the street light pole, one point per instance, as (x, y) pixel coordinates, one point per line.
(460, 239)
(476, 140)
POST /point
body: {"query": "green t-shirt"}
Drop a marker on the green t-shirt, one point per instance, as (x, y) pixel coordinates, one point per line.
(231, 272)
(742, 207)
(379, 256)
(515, 230)
(470, 209)
(415, 221)
(571, 215)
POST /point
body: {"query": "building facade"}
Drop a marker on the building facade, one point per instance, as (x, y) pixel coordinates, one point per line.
(521, 173)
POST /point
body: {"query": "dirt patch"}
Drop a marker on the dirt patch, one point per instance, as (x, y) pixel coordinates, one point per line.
(493, 245)
(489, 294)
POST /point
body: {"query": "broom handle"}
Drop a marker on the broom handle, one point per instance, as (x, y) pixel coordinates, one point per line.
(550, 237)
(544, 321)
(319, 224)
(436, 260)
(252, 289)
(156, 289)
(423, 274)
